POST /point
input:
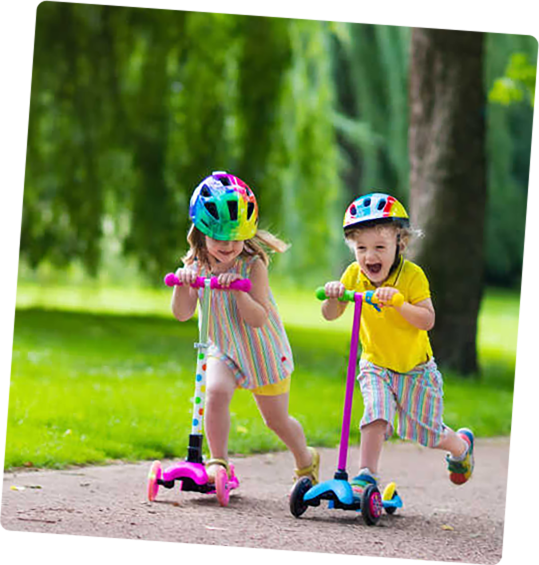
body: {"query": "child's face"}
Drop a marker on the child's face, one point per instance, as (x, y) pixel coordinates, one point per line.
(223, 252)
(375, 250)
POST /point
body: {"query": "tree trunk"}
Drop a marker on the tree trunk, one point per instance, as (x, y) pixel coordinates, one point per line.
(448, 184)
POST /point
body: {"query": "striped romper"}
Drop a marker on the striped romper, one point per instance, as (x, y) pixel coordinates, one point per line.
(259, 358)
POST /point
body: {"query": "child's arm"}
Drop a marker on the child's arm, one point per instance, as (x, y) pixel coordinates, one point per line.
(421, 315)
(253, 305)
(332, 308)
(184, 298)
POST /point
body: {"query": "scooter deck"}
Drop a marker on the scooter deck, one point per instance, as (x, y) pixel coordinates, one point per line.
(339, 494)
(193, 478)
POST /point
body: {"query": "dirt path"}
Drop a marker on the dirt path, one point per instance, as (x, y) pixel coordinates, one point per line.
(439, 521)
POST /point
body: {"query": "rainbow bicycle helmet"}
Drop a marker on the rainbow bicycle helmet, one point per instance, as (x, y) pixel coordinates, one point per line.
(223, 207)
(375, 207)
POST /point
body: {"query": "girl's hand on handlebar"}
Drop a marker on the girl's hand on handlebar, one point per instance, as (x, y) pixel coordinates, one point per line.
(385, 295)
(225, 279)
(186, 276)
(334, 290)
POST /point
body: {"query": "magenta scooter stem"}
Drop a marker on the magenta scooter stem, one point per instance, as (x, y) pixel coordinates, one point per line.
(199, 399)
(350, 296)
(350, 383)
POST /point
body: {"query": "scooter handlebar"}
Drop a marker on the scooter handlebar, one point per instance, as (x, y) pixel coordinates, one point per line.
(369, 296)
(242, 284)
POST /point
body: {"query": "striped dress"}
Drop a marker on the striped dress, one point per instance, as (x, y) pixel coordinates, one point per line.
(256, 356)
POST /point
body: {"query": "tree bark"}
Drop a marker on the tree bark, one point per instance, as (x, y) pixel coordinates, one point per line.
(448, 184)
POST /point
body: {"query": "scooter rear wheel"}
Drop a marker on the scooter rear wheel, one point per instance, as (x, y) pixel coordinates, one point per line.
(390, 492)
(153, 476)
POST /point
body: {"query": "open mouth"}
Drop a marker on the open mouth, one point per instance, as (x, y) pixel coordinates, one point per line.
(374, 268)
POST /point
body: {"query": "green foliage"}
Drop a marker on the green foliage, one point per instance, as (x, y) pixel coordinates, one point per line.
(508, 162)
(372, 78)
(152, 199)
(64, 200)
(132, 107)
(517, 84)
(263, 64)
(306, 159)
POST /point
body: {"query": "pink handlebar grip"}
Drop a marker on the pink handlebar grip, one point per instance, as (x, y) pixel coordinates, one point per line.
(242, 284)
(172, 280)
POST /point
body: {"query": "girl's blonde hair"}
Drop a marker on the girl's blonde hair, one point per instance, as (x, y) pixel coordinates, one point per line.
(261, 245)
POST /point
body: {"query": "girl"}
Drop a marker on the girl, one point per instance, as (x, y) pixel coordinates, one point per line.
(398, 375)
(248, 345)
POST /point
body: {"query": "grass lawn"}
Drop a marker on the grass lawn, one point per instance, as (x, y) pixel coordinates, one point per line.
(108, 374)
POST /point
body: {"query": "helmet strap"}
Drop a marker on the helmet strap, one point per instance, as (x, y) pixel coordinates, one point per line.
(397, 255)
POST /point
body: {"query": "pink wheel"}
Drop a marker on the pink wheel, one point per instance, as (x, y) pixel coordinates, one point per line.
(233, 481)
(153, 476)
(222, 488)
(371, 505)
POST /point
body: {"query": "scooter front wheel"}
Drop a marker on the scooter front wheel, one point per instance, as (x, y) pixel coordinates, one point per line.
(153, 476)
(297, 504)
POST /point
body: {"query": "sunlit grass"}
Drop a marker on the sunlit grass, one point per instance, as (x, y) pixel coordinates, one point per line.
(102, 374)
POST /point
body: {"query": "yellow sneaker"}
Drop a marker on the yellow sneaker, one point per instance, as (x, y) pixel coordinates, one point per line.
(211, 465)
(312, 470)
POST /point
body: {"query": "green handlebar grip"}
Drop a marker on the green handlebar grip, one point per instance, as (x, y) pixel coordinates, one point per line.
(320, 293)
(348, 295)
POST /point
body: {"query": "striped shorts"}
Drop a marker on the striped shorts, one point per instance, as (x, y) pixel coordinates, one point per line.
(414, 398)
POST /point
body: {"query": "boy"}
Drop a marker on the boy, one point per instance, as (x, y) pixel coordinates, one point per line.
(398, 375)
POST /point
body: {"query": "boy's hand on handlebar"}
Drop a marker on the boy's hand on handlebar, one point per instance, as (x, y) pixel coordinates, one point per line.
(385, 295)
(334, 290)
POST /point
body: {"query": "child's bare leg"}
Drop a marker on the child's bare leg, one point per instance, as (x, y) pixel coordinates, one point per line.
(274, 410)
(453, 443)
(372, 441)
(219, 391)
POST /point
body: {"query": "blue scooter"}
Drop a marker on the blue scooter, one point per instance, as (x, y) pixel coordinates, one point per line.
(338, 491)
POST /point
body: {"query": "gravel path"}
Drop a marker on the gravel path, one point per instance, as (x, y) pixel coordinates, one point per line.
(439, 521)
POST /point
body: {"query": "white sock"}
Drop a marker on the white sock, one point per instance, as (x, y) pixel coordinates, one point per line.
(463, 456)
(367, 471)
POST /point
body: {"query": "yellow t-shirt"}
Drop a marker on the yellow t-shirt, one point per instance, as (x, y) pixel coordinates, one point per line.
(387, 339)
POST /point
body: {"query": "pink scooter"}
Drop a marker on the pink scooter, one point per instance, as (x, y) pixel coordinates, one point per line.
(191, 473)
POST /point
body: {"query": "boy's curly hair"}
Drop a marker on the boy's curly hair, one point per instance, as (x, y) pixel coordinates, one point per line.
(405, 232)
